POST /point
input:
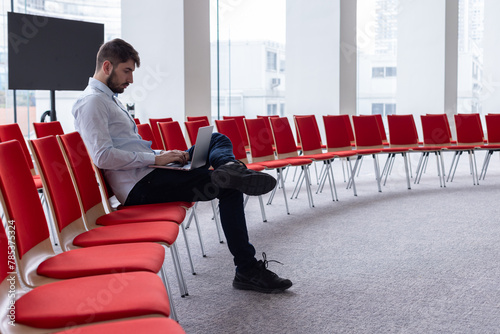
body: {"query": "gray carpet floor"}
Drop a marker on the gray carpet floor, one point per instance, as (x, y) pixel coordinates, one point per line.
(424, 260)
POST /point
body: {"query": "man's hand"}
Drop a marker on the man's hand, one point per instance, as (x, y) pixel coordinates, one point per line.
(166, 157)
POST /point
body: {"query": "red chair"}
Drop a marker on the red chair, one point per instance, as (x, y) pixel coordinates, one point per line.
(146, 133)
(137, 121)
(368, 137)
(198, 118)
(437, 136)
(315, 129)
(268, 126)
(312, 147)
(262, 152)
(240, 123)
(54, 306)
(286, 148)
(13, 132)
(470, 133)
(171, 136)
(156, 133)
(381, 128)
(228, 128)
(493, 129)
(44, 129)
(192, 129)
(370, 134)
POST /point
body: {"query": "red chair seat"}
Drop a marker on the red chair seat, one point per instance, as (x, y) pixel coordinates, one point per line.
(299, 161)
(256, 167)
(271, 164)
(153, 212)
(104, 260)
(490, 146)
(130, 232)
(146, 325)
(92, 299)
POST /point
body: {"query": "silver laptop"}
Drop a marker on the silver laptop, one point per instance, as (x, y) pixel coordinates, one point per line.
(200, 153)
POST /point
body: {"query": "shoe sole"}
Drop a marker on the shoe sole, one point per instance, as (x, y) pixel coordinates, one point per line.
(252, 184)
(245, 286)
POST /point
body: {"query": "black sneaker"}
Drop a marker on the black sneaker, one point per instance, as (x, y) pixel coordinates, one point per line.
(260, 279)
(237, 176)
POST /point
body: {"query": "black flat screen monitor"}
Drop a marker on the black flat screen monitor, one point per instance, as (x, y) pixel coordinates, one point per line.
(48, 53)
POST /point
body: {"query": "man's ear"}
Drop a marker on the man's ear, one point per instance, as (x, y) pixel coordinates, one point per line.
(107, 67)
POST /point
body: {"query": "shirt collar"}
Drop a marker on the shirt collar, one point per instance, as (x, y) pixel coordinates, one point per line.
(102, 87)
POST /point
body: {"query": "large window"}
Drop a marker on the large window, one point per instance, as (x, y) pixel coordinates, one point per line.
(470, 55)
(377, 46)
(248, 57)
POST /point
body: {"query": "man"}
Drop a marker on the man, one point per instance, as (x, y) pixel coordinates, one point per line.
(111, 137)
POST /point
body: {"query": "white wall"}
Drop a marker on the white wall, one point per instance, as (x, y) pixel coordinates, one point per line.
(312, 57)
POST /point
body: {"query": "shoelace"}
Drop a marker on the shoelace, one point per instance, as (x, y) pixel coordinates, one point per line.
(265, 261)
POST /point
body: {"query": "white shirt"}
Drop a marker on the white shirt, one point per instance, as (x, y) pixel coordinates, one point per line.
(111, 137)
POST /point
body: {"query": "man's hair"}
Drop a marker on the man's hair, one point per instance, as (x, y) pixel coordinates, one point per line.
(117, 51)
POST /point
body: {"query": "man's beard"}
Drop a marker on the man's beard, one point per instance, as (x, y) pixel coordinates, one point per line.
(113, 85)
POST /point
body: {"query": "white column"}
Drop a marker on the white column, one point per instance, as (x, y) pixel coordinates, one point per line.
(348, 58)
(427, 57)
(451, 62)
(312, 57)
(490, 96)
(197, 93)
(172, 38)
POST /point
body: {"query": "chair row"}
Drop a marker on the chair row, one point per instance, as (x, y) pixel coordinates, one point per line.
(103, 275)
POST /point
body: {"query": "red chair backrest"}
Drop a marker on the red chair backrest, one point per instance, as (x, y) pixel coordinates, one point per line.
(21, 198)
(307, 131)
(172, 136)
(258, 138)
(402, 130)
(436, 129)
(268, 125)
(493, 128)
(240, 123)
(315, 127)
(13, 132)
(156, 133)
(198, 118)
(58, 180)
(283, 136)
(146, 133)
(469, 129)
(83, 171)
(229, 128)
(137, 121)
(192, 129)
(337, 132)
(45, 129)
(367, 132)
